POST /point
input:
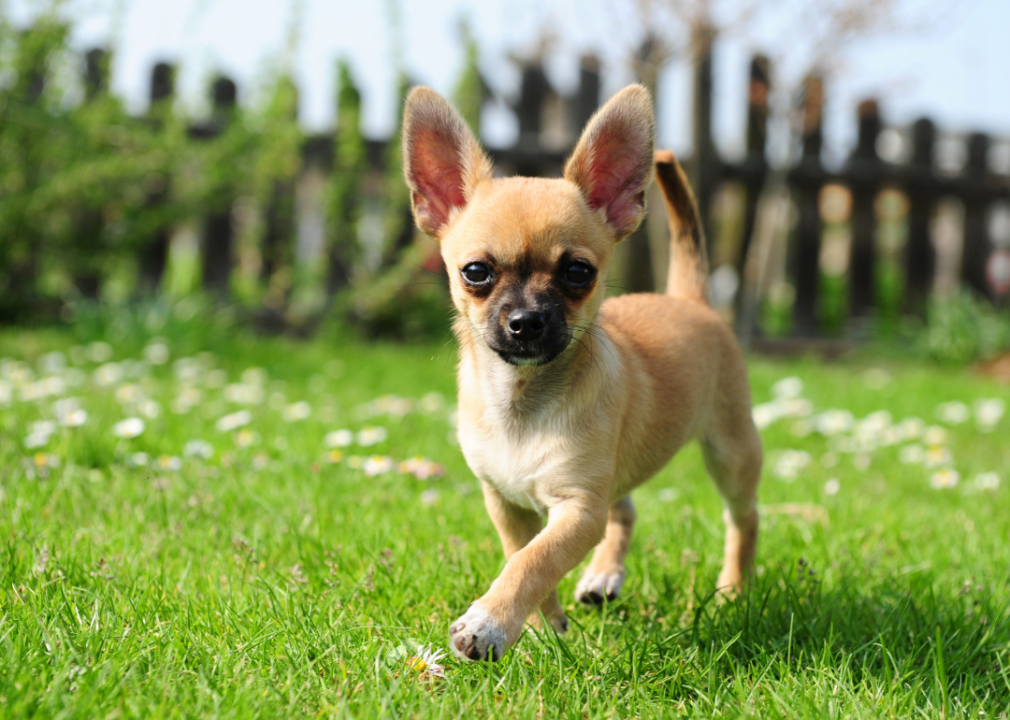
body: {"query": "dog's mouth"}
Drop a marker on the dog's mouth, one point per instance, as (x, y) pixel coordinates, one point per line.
(532, 354)
(526, 360)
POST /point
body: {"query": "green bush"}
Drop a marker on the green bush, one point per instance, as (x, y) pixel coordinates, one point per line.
(963, 328)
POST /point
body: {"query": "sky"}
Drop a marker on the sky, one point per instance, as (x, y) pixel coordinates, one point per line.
(948, 60)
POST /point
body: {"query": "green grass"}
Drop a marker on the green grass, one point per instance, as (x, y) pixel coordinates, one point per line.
(268, 582)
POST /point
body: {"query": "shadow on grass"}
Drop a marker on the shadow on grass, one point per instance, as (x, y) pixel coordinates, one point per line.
(903, 632)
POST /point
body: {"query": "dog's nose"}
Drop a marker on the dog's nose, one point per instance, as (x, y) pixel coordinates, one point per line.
(526, 324)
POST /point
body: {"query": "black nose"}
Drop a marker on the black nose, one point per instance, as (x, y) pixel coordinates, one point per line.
(526, 324)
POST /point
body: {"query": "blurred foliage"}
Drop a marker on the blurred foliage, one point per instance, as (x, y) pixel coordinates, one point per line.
(90, 198)
(468, 96)
(344, 192)
(964, 328)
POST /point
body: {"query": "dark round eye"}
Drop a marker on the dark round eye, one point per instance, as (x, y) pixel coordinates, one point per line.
(578, 274)
(476, 273)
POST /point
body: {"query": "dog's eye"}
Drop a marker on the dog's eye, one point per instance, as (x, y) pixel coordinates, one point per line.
(578, 274)
(476, 274)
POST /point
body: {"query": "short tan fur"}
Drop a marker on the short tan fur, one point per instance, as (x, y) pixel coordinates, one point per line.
(567, 402)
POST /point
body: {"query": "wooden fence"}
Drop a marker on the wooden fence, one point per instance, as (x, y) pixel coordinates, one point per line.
(548, 125)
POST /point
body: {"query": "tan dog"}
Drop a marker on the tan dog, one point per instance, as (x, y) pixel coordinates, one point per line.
(567, 402)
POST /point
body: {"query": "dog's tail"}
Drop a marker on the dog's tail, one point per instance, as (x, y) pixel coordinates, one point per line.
(688, 258)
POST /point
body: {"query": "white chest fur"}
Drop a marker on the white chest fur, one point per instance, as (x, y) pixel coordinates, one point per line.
(525, 462)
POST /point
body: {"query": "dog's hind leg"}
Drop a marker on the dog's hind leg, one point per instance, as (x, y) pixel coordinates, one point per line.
(733, 458)
(516, 527)
(604, 577)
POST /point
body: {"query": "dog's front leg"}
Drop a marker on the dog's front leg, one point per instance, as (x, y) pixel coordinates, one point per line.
(493, 623)
(517, 526)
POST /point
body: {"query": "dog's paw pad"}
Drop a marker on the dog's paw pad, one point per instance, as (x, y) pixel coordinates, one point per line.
(476, 636)
(594, 588)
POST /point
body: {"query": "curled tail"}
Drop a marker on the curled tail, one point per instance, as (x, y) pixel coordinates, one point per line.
(688, 259)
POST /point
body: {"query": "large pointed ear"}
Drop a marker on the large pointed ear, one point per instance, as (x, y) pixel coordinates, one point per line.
(612, 164)
(442, 161)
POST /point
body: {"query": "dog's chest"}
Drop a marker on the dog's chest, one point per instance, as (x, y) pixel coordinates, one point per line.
(525, 464)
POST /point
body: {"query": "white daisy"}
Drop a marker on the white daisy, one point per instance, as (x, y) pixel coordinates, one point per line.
(339, 438)
(234, 421)
(912, 454)
(372, 436)
(425, 662)
(377, 465)
(298, 411)
(128, 428)
(789, 387)
(108, 374)
(986, 481)
(157, 353)
(944, 479)
(833, 422)
(198, 448)
(988, 413)
(953, 413)
(935, 435)
(243, 393)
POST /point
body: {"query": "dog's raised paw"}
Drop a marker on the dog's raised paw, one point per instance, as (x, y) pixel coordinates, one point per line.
(476, 636)
(594, 588)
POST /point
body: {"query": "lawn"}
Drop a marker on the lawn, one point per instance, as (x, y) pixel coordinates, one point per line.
(228, 552)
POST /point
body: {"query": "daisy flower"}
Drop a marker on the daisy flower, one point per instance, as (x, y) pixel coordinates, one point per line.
(157, 353)
(421, 468)
(789, 464)
(765, 414)
(953, 413)
(944, 479)
(377, 465)
(234, 421)
(243, 394)
(36, 440)
(198, 448)
(937, 456)
(912, 454)
(789, 387)
(128, 428)
(69, 413)
(912, 428)
(245, 438)
(371, 436)
(935, 435)
(298, 411)
(425, 662)
(169, 462)
(986, 481)
(254, 376)
(339, 438)
(833, 422)
(108, 374)
(988, 413)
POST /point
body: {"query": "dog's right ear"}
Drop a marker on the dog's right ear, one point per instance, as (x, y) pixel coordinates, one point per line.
(442, 160)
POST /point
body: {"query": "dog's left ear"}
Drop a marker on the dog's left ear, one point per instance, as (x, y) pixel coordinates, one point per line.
(612, 164)
(442, 160)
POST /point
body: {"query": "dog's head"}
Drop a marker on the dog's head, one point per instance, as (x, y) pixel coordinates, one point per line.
(528, 257)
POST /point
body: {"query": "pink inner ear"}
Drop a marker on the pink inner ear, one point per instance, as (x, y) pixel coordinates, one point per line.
(438, 175)
(616, 178)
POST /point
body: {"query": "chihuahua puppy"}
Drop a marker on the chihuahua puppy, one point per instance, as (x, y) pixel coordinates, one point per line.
(568, 402)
